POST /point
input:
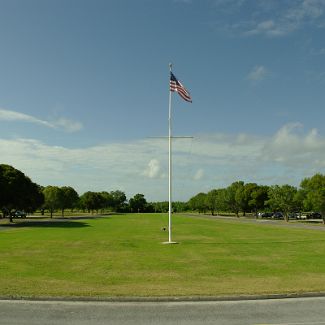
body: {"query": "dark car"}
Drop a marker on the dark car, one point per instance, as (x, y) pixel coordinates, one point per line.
(278, 215)
(266, 214)
(314, 215)
(293, 215)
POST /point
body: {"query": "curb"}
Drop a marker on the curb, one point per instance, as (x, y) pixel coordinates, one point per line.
(164, 298)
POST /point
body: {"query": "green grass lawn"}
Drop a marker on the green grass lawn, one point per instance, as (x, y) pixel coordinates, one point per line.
(123, 255)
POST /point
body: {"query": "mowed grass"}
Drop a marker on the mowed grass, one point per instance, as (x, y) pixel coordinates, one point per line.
(123, 255)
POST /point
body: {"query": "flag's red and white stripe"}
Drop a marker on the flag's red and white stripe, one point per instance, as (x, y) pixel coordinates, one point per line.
(175, 85)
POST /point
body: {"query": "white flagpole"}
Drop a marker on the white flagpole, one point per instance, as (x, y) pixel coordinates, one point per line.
(170, 137)
(170, 165)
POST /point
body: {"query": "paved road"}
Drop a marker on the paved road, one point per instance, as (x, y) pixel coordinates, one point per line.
(281, 223)
(299, 311)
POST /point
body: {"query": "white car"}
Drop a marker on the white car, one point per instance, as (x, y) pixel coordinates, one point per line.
(18, 214)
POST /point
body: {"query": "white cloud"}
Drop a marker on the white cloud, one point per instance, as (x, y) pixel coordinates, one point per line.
(272, 28)
(60, 123)
(270, 18)
(285, 157)
(199, 174)
(67, 125)
(258, 73)
(101, 167)
(153, 169)
(306, 9)
(7, 115)
(296, 149)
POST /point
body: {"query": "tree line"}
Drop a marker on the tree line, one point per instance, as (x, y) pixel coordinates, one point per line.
(18, 192)
(251, 197)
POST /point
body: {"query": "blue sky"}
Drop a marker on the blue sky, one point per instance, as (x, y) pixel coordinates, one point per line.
(85, 84)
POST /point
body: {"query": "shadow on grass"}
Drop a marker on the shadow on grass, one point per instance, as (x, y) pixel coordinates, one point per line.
(46, 224)
(60, 218)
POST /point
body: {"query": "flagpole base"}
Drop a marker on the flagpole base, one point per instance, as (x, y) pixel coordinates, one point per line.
(170, 242)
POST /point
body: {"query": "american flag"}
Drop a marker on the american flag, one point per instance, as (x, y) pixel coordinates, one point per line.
(175, 85)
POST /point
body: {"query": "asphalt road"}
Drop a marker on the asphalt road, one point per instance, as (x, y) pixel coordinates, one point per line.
(312, 224)
(297, 311)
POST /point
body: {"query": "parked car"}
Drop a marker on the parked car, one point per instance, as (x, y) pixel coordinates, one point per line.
(314, 215)
(18, 214)
(302, 216)
(265, 214)
(278, 215)
(293, 215)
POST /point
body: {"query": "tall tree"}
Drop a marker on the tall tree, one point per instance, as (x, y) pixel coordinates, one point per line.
(234, 196)
(107, 200)
(259, 196)
(118, 200)
(53, 197)
(244, 195)
(17, 191)
(138, 203)
(91, 201)
(314, 192)
(211, 200)
(68, 198)
(36, 200)
(198, 202)
(282, 198)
